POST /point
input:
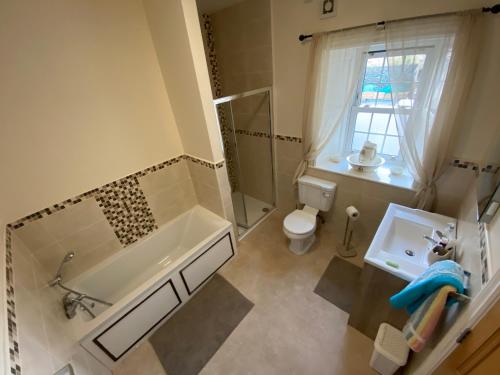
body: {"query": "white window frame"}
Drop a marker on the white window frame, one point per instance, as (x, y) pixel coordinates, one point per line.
(356, 108)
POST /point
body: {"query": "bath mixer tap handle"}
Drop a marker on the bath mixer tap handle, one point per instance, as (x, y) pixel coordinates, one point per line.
(83, 306)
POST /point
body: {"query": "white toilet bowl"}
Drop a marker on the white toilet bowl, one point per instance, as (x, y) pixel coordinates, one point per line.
(299, 226)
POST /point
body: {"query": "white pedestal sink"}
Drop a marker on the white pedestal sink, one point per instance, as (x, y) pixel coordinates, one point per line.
(399, 246)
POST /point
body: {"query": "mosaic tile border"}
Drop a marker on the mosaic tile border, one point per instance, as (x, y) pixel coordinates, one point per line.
(486, 168)
(253, 133)
(464, 164)
(484, 254)
(13, 344)
(279, 137)
(490, 168)
(288, 138)
(95, 192)
(216, 81)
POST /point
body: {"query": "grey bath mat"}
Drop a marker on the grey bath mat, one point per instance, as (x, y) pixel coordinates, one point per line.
(187, 341)
(339, 283)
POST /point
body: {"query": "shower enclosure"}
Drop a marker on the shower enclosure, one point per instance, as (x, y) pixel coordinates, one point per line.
(245, 120)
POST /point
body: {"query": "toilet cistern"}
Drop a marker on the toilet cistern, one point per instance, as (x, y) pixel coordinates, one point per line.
(299, 226)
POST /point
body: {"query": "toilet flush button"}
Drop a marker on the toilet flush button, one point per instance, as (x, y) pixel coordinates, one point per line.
(327, 195)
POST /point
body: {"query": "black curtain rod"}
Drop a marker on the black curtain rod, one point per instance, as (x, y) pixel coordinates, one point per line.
(494, 9)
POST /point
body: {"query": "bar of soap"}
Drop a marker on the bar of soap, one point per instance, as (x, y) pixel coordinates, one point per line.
(392, 264)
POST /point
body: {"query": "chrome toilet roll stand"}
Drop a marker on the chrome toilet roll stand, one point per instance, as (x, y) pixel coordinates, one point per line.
(344, 249)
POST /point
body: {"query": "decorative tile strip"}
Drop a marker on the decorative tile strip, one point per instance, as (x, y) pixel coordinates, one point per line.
(15, 363)
(199, 161)
(267, 135)
(486, 168)
(288, 138)
(124, 205)
(212, 56)
(216, 80)
(253, 133)
(490, 168)
(484, 254)
(465, 164)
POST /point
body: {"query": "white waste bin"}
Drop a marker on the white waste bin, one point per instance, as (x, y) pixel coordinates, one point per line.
(390, 350)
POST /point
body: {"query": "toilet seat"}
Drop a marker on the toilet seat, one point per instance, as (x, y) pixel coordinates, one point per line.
(299, 224)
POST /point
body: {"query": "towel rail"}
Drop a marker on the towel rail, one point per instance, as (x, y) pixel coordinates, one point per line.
(462, 297)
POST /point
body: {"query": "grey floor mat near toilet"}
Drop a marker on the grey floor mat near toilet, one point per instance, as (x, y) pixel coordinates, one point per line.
(339, 283)
(187, 341)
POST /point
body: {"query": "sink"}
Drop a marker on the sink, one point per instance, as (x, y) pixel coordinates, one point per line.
(399, 246)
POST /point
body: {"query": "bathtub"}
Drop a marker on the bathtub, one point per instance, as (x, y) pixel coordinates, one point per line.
(148, 281)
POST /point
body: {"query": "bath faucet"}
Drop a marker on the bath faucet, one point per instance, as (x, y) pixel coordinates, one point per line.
(70, 305)
(73, 298)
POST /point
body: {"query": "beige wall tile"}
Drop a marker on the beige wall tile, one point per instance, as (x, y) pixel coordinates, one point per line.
(169, 191)
(73, 218)
(200, 173)
(164, 178)
(35, 235)
(242, 35)
(85, 240)
(91, 258)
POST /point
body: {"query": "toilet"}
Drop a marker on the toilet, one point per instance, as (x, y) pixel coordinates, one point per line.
(299, 226)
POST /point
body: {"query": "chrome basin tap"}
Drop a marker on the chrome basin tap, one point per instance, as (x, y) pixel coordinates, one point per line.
(74, 299)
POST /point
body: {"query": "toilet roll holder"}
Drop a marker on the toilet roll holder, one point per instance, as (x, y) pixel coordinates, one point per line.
(344, 249)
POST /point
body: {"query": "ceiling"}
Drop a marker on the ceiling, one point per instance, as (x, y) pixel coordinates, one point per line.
(212, 6)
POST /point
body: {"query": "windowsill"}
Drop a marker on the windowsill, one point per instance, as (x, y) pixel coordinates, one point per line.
(381, 175)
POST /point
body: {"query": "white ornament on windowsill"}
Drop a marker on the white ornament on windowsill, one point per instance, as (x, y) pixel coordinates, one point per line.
(364, 166)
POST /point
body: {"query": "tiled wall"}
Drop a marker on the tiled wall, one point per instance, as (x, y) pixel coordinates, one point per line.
(99, 223)
(288, 156)
(238, 50)
(95, 225)
(370, 198)
(47, 340)
(242, 36)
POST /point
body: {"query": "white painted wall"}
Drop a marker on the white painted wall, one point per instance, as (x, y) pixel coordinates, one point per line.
(82, 100)
(479, 132)
(177, 36)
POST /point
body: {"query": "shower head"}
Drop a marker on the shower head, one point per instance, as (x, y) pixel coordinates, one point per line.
(67, 258)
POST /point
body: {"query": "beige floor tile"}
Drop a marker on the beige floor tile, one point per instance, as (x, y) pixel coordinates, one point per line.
(290, 330)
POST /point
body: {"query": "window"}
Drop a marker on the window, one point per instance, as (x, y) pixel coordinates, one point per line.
(372, 115)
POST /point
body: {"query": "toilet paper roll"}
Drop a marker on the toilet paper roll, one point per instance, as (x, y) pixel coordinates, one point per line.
(352, 212)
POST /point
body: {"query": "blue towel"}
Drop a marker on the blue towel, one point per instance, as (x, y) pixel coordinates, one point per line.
(439, 274)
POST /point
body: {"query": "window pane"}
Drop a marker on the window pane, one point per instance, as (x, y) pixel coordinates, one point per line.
(373, 69)
(363, 122)
(379, 123)
(392, 129)
(369, 95)
(391, 146)
(384, 97)
(384, 77)
(358, 140)
(377, 139)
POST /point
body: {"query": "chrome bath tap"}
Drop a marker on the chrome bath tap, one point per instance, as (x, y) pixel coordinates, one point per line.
(74, 299)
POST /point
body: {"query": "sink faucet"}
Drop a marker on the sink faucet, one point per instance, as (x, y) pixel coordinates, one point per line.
(73, 298)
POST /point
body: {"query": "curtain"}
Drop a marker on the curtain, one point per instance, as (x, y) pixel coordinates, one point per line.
(426, 112)
(334, 68)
